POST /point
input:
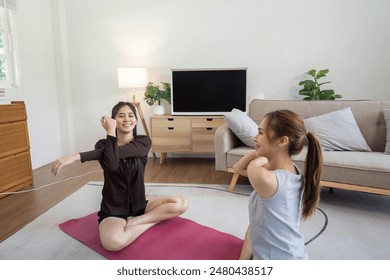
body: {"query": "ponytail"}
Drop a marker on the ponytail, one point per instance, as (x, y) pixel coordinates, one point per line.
(288, 123)
(313, 170)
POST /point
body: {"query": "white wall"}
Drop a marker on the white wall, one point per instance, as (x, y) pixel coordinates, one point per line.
(277, 40)
(38, 84)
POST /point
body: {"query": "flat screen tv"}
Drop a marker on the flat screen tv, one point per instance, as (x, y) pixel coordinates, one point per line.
(208, 91)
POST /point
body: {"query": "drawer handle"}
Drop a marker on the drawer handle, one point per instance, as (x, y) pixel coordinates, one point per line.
(209, 128)
(170, 119)
(209, 119)
(171, 128)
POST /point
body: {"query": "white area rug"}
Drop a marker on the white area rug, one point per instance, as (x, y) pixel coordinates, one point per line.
(353, 225)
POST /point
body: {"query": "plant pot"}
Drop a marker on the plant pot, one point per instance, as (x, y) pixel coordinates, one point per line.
(159, 110)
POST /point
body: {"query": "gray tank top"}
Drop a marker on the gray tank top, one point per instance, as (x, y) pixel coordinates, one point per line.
(274, 221)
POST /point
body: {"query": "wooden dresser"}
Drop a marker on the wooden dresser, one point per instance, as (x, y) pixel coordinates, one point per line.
(184, 134)
(15, 160)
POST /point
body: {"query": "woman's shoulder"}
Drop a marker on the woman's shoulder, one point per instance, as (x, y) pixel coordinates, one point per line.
(101, 143)
(263, 181)
(296, 173)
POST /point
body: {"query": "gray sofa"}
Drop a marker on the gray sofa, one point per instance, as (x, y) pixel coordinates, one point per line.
(353, 170)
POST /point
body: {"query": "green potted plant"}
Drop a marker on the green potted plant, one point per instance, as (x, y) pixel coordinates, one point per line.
(154, 94)
(311, 88)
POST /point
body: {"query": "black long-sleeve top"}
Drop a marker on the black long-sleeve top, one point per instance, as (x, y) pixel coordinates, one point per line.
(124, 168)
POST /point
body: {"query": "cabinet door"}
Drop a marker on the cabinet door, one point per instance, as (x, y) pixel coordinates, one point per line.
(13, 138)
(208, 122)
(203, 131)
(171, 122)
(171, 134)
(203, 139)
(13, 112)
(15, 170)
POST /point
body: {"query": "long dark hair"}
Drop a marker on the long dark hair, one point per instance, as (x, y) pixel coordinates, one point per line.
(119, 105)
(288, 123)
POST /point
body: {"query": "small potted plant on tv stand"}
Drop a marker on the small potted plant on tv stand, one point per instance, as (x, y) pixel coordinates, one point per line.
(154, 94)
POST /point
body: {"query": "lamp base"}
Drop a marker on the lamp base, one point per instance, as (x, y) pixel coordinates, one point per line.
(141, 115)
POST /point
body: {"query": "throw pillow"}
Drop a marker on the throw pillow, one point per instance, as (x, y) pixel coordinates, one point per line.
(386, 114)
(338, 131)
(242, 126)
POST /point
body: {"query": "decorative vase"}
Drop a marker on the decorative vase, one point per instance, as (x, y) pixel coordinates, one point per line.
(159, 110)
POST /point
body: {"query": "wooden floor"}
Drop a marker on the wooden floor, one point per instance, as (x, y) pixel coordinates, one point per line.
(17, 210)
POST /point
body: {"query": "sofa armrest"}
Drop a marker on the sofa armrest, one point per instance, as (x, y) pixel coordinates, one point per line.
(224, 141)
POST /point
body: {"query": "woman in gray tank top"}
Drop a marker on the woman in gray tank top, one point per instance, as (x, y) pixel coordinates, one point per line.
(282, 194)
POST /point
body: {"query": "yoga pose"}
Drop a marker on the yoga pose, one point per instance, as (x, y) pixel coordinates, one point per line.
(124, 211)
(282, 194)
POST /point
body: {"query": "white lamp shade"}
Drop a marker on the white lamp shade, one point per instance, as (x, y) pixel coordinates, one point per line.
(132, 77)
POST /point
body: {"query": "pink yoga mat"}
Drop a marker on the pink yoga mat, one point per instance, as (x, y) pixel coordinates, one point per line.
(174, 239)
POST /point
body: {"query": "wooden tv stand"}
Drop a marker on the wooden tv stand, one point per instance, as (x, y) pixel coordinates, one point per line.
(183, 134)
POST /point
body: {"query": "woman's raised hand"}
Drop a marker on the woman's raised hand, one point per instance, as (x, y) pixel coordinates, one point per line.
(109, 125)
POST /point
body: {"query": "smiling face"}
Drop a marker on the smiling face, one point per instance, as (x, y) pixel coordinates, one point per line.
(125, 120)
(264, 145)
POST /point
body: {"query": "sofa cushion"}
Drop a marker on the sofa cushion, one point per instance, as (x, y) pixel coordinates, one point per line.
(338, 131)
(386, 114)
(236, 154)
(242, 126)
(359, 168)
(375, 161)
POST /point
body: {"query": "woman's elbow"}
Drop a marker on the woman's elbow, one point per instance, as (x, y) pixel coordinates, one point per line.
(235, 168)
(239, 170)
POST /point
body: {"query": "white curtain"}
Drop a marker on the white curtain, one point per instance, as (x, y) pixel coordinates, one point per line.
(8, 4)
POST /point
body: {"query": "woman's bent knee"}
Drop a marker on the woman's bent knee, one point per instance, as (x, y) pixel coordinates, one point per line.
(113, 243)
(181, 205)
(112, 234)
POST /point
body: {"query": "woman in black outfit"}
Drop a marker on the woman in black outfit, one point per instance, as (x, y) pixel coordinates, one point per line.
(124, 211)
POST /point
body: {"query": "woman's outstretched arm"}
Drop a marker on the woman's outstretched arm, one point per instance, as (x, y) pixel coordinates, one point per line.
(63, 161)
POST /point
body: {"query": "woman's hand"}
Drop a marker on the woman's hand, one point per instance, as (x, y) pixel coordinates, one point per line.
(109, 125)
(259, 162)
(63, 161)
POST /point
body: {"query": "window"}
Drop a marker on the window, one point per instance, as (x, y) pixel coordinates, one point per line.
(8, 55)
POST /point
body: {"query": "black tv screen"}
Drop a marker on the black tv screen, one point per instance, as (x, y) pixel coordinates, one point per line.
(208, 91)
